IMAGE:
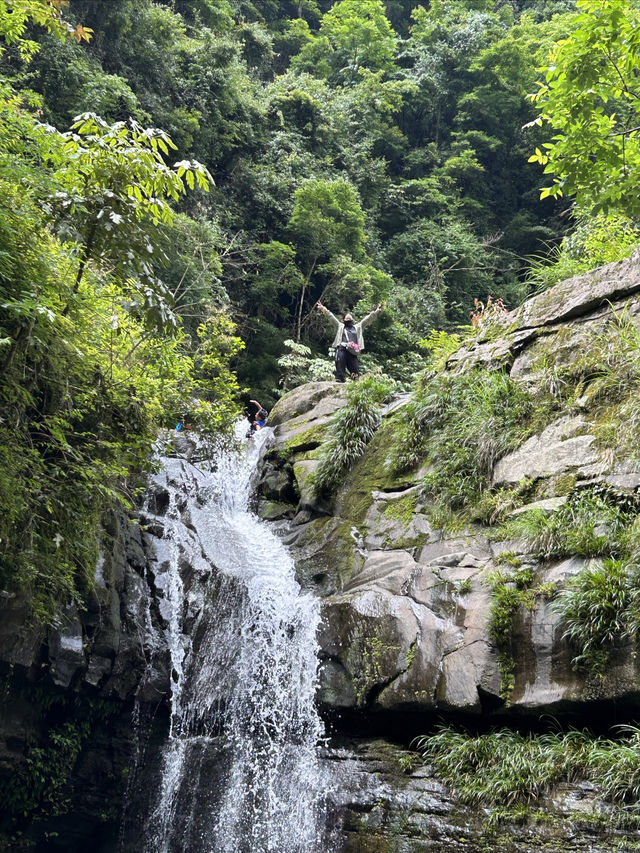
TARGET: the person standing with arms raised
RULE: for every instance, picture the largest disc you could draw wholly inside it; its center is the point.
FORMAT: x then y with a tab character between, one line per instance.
348	341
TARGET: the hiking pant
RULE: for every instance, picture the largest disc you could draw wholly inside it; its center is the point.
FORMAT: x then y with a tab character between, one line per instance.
346	360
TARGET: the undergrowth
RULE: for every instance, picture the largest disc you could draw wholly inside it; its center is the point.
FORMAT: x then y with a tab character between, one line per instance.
352	428
505	768
459	426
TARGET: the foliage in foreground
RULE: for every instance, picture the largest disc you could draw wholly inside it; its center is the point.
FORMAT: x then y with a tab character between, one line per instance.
506	769
351	429
589	99
93	359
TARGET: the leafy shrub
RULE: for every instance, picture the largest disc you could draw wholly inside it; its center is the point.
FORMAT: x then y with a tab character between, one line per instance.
460	426
42	786
351	429
440	345
93	359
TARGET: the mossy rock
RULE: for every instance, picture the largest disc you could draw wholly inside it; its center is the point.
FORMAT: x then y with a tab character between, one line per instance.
326	555
301	400
395	521
369	474
274	510
305	439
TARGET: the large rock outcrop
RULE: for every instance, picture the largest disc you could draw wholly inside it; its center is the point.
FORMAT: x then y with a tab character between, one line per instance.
407	607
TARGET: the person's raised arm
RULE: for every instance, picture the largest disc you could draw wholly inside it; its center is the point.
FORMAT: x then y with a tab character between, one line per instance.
366	320
331	317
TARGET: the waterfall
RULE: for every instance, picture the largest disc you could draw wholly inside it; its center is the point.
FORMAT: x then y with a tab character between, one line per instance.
240	772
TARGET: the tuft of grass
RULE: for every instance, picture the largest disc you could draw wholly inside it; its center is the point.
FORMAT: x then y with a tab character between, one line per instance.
587	525
505	768
460	426
600	610
352	428
599	607
494	506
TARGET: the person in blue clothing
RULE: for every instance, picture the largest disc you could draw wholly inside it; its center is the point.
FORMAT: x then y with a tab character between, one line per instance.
259	418
348	341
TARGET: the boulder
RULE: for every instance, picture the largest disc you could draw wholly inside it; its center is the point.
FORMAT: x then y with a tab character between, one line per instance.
301	400
580	295
564	446
274	510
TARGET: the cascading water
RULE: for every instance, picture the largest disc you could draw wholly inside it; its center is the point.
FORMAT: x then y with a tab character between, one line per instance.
240	768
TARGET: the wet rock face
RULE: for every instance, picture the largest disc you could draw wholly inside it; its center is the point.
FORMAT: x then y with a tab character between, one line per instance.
74	685
97	643
69	692
385	799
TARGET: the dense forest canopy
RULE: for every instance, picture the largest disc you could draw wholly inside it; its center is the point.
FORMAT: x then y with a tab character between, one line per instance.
182	180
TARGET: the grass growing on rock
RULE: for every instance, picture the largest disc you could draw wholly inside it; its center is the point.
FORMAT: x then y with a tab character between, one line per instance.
459	426
351	429
587	525
600	606
600	609
603	373
504	770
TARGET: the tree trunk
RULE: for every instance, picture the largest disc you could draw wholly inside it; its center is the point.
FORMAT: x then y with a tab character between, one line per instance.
301	305
84	260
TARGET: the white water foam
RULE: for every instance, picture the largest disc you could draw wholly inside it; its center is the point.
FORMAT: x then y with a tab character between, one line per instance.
244	663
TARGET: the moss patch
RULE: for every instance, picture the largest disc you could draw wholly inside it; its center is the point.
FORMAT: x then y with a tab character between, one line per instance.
306	439
402	509
369	474
326	546
510	591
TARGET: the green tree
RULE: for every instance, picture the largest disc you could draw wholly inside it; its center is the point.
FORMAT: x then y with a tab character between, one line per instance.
113	185
89	369
354	34
590	100
326	220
